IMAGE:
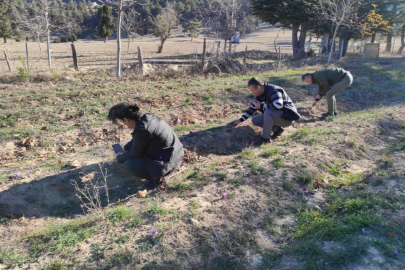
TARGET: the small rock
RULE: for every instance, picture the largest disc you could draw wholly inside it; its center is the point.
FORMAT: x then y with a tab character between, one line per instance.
194	222
75	164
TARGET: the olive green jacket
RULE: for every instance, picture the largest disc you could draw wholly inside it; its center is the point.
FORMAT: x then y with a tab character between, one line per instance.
325	78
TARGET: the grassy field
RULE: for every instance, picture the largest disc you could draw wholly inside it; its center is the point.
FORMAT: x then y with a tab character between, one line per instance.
95	55
327	195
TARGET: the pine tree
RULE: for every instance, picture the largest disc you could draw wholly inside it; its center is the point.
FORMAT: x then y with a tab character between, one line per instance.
192	27
106	22
5	24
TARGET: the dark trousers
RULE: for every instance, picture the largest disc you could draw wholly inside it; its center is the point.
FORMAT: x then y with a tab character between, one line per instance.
138	167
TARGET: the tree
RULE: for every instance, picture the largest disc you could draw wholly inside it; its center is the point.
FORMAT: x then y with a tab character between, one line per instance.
5	28
221	17
294	14
72	20
131	22
120	7
339	13
39	17
192	27
5	24
402	40
106	22
163	25
30	19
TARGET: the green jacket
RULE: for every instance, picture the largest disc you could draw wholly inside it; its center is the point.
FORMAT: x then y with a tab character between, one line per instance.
325	78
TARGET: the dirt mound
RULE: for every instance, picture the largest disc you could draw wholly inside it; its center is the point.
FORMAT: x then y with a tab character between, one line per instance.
225	140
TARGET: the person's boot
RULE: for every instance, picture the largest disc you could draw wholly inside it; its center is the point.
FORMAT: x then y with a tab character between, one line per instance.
259	141
277	133
327	115
161	185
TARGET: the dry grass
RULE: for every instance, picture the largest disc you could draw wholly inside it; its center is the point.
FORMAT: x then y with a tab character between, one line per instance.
310	196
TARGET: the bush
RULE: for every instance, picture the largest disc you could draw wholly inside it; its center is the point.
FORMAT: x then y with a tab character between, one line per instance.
63	39
23	73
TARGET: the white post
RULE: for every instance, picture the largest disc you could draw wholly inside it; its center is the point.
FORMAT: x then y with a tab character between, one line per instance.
118	68
48	40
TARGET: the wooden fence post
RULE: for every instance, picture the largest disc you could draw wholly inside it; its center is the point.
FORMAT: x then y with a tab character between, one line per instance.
203	56
8	63
74	57
140	59
26	53
244	60
279	58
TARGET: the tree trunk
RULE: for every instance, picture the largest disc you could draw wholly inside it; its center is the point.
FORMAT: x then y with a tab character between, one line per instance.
389	42
48	48
28	59
128	42
105	40
119	13
301	42
5	39
162	41
325	43
341	40
333	44
346	36
372	38
295	42
39	43
402	40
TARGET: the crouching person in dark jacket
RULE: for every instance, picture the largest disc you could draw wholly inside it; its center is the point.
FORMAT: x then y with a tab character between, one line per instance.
278	110
154	151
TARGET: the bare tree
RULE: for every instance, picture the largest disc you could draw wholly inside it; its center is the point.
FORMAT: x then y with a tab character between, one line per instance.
221	17
31	20
164	23
341	13
131	23
37	19
120	6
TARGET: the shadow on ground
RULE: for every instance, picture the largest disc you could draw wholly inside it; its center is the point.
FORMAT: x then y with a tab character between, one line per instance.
222	140
56	196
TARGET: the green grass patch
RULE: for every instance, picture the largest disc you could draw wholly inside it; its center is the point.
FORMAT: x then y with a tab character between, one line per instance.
304	177
11	258
270	152
278	163
155	208
119	214
187	101
56	237
247	153
56	265
256	169
399	146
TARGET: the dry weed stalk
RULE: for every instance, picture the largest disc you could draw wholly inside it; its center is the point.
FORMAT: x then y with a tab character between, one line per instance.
89	195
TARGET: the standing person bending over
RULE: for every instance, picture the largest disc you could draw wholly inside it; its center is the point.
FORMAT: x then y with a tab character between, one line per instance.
154	150
277	107
330	81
